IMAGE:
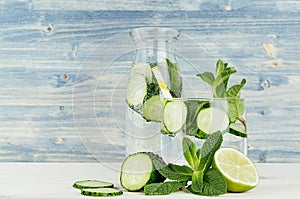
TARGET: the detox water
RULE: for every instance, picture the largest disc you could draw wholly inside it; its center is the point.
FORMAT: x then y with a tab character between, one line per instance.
154	47
197	118
141	135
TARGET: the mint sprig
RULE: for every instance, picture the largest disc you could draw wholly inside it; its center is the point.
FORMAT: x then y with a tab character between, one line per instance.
204	180
219	84
219	81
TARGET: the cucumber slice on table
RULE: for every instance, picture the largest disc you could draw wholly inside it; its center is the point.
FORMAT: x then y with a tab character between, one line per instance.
83	184
104	192
138	170
136	91
174	117
152	109
210	120
238	130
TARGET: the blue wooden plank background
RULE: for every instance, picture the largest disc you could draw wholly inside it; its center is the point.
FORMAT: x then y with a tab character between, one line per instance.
63	65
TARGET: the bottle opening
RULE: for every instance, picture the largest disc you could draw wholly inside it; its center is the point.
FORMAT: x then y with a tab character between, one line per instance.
146	34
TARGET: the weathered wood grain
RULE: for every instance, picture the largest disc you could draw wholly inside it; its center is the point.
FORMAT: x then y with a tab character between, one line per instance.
63	65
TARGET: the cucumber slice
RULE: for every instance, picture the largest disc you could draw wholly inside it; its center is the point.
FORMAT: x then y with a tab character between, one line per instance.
238	130
210	120
138	170
174	117
136	91
104	192
152	109
83	184
164	131
142	69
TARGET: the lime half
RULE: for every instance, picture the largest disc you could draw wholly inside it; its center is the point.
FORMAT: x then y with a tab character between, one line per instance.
238	170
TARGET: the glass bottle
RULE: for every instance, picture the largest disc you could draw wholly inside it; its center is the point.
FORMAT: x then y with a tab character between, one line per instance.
154	47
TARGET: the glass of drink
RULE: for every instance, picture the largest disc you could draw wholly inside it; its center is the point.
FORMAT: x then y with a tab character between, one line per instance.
197	118
154	48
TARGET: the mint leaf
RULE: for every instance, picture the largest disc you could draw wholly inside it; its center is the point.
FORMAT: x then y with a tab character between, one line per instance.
219	89
222	76
234	91
220	66
236	109
158	163
190	152
208	77
177	172
193	108
208	149
221	81
163	188
197	181
235	104
175	79
214	184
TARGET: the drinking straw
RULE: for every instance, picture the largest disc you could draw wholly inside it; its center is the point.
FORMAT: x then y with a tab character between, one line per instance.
161	83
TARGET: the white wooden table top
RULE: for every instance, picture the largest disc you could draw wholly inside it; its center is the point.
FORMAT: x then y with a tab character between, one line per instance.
54	181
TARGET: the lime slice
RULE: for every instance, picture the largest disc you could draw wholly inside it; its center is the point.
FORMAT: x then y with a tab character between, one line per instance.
238	170
210	120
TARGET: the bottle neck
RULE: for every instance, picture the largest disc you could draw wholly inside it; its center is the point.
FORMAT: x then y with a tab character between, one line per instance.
154	44
154	51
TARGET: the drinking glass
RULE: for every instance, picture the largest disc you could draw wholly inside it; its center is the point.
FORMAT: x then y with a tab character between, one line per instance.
197	118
